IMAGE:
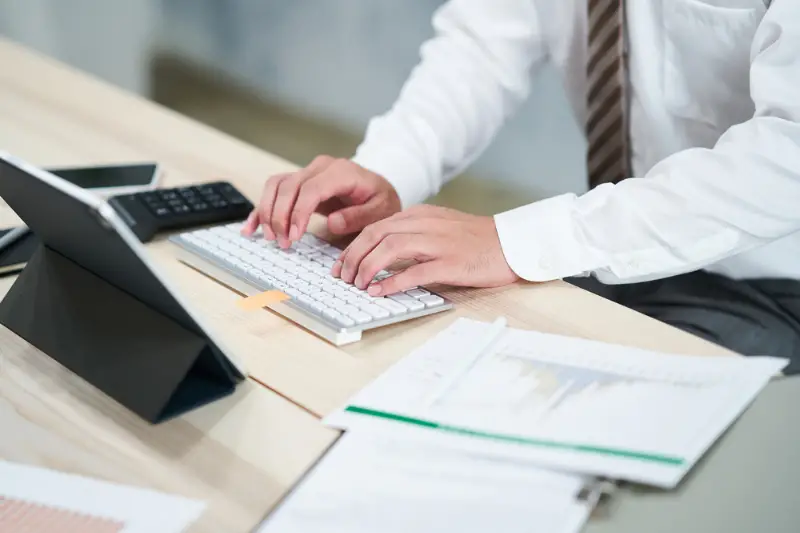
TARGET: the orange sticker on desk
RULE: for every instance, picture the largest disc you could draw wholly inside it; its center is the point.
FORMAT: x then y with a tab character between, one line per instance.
261	300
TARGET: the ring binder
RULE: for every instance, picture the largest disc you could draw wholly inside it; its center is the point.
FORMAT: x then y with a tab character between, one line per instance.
596	494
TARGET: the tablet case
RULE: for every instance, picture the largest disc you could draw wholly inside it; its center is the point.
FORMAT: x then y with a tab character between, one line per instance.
97	331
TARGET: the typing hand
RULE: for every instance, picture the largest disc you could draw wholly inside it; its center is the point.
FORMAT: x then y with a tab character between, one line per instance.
350	195
449	246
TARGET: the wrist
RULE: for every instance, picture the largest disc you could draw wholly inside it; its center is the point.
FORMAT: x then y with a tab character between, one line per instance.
406	176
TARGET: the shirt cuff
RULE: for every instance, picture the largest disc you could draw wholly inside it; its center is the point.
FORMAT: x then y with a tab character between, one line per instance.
406	174
540	240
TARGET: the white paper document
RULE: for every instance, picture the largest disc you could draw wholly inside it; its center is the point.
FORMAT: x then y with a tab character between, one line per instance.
372	483
562	402
35	499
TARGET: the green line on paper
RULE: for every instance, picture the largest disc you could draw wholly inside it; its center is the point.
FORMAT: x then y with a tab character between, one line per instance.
628	454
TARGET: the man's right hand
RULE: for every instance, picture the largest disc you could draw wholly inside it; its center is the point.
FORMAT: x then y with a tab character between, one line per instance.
351	196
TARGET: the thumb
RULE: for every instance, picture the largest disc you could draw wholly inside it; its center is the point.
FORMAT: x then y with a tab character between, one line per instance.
356	217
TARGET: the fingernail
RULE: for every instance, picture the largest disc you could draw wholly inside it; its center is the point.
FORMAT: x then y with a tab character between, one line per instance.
336	269
283	242
268	234
374	290
294	233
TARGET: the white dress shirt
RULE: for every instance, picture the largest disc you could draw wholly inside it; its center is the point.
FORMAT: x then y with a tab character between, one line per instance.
715	128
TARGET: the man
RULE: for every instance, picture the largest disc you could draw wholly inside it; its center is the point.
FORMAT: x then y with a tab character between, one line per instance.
695	102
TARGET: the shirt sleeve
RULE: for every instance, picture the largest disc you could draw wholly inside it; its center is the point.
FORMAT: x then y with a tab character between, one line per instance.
473	73
693	208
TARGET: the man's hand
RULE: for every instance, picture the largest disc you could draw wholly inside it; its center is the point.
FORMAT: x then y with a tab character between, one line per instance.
449	246
350	195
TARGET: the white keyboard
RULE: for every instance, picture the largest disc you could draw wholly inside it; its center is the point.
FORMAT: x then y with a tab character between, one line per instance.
331	308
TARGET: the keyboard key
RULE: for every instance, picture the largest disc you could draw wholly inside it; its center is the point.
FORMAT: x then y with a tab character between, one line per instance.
393	307
310	303
361	317
352	299
315	292
301	247
299	284
417	293
312	240
310	277
338	317
432	300
375	311
331	289
330	251
324	297
325	261
319	269
348	310
410	303
340	292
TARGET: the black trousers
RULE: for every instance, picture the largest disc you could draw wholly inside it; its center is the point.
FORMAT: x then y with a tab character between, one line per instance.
751	317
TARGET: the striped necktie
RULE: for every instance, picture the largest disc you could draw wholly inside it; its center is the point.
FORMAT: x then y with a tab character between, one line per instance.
606	121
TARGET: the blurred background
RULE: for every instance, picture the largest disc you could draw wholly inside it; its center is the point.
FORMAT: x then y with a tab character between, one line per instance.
297	78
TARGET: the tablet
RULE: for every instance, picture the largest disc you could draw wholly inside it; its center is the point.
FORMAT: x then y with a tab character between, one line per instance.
82	227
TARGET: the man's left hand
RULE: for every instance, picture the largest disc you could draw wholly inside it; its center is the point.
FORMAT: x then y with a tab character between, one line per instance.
448	246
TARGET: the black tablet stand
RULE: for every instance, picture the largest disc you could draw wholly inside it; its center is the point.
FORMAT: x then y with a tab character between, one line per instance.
137	355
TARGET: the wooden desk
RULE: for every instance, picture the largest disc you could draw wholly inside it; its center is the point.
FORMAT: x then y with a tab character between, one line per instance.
53	115
240	453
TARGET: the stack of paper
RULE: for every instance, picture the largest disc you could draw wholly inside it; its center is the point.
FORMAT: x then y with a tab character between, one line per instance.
562	402
372	482
34	500
486	428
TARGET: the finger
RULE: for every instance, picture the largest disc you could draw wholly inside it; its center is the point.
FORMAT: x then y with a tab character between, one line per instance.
284	202
371	237
421	274
393	248
286	197
323	186
267	202
356	217
250	225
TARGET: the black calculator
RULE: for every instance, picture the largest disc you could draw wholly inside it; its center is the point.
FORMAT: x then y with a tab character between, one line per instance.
151	212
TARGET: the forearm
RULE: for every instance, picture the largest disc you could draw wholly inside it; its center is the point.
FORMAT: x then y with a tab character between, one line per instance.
695	207
472	75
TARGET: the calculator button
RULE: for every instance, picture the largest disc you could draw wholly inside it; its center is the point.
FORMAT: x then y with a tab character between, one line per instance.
199	206
168	195
181	209
162	212
219	204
